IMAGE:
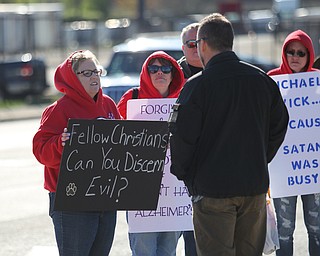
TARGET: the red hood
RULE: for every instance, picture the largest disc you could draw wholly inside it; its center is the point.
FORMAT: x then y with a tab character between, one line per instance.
147	90
67	82
302	37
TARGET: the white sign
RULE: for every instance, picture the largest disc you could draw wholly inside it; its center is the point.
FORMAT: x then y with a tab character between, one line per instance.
295	170
174	211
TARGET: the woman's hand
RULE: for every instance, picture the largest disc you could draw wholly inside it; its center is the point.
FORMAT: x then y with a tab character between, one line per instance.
65	136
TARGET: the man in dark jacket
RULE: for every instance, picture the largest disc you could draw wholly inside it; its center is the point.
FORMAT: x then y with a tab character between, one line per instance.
227	125
190	64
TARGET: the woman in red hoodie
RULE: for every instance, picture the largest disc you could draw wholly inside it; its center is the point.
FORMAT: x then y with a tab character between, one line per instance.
297	56
78	78
161	77
156	82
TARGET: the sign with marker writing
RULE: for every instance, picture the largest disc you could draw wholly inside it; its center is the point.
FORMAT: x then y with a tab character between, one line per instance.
174	210
112	165
295	170
150	109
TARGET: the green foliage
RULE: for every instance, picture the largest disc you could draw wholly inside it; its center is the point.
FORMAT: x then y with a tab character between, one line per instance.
11	103
86	9
20	1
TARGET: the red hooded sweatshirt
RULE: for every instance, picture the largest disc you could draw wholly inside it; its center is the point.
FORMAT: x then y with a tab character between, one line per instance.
302	37
76	103
146	89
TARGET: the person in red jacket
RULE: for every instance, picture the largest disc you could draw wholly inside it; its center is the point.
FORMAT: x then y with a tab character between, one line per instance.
297	56
155	82
161	77
78	78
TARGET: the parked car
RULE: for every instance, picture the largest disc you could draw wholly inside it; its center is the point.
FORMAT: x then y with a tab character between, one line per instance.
123	71
23	77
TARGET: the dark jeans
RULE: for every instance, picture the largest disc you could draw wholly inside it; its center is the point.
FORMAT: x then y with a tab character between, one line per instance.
233	226
189	243
83	233
286	219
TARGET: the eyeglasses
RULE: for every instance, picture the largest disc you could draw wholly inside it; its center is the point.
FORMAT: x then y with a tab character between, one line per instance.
154	69
202	38
89	73
191	43
292	53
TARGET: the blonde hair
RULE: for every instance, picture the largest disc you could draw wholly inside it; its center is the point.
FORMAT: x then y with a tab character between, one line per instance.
81	56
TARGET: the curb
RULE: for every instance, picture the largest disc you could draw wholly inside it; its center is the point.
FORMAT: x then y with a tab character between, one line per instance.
21	113
33	107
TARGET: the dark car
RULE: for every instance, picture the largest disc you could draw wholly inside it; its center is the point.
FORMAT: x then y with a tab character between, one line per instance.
123	71
23	77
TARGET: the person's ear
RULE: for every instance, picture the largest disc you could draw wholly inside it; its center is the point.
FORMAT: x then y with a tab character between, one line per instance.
203	45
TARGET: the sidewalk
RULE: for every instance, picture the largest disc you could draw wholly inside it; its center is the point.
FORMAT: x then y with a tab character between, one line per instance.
21	112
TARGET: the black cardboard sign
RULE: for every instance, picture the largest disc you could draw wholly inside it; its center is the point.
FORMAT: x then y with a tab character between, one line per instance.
112	165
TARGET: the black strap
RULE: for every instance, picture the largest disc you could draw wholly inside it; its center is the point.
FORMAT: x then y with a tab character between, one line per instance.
135	93
174	114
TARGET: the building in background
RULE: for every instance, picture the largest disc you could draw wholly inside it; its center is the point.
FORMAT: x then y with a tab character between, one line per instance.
30	27
37	27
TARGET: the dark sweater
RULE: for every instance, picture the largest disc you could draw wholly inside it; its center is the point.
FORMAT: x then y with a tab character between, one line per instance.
188	70
231	121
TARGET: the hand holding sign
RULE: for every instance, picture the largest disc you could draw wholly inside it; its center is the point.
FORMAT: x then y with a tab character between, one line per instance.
65	136
112	164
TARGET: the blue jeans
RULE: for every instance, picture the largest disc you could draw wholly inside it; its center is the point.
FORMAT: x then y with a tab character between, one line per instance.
286	219
83	233
154	243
